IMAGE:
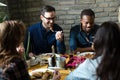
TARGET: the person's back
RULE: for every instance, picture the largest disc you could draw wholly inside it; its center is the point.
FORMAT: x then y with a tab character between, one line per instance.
12	63
107	44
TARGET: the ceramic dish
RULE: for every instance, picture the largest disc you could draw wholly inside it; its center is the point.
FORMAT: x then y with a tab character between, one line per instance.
41	74
87	54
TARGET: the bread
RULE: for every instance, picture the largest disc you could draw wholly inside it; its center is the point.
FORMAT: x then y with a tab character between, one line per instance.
42	75
37	74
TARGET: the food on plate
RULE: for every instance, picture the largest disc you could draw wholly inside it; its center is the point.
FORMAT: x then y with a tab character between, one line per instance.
37	74
42	75
74	61
47	75
88	55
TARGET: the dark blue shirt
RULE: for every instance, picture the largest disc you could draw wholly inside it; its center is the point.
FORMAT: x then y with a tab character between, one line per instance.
79	38
42	40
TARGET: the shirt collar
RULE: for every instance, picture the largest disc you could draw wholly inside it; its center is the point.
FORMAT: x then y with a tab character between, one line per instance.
43	29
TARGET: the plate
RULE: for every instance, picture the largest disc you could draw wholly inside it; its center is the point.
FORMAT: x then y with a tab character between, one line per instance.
51	54
47	55
44	57
41	74
87	54
84	53
40	70
55	68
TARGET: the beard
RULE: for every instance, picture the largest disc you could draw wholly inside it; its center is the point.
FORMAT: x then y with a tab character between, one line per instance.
87	30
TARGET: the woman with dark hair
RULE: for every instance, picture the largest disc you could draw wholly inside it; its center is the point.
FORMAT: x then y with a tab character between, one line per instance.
107	44
105	64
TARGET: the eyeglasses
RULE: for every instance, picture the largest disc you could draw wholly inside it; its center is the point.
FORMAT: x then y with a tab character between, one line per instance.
49	18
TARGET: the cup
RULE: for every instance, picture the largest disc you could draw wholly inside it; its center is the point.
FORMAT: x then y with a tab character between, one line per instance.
60	62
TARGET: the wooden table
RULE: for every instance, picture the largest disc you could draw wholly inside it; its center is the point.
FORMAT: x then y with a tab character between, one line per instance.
63	72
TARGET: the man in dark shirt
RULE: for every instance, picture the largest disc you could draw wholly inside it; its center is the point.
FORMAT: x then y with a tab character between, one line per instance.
45	34
81	36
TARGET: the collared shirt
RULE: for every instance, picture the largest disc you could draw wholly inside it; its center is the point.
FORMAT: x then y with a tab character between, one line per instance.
42	40
79	38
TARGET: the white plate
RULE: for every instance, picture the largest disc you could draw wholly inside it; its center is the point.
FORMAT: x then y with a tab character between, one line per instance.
83	53
50	54
40	70
55	68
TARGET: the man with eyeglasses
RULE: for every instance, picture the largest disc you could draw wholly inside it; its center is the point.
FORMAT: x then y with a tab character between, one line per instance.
82	35
45	36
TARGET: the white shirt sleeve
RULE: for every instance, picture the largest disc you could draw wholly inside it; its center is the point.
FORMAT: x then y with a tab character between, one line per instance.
86	70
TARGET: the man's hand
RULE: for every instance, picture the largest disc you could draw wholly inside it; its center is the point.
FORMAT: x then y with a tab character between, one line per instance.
59	35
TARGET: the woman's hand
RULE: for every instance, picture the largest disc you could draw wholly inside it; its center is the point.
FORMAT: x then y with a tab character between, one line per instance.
20	49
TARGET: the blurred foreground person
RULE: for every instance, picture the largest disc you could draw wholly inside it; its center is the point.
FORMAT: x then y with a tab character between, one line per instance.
13	65
105	64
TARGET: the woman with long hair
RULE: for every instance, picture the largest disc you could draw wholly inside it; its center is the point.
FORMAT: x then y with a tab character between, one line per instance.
12	63
107	44
105	64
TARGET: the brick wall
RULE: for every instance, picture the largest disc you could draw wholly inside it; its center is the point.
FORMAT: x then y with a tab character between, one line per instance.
68	11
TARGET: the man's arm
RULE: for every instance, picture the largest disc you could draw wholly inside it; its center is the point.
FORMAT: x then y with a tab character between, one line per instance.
61	47
60	42
72	41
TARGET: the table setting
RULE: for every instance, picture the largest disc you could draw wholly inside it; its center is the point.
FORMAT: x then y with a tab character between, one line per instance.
48	62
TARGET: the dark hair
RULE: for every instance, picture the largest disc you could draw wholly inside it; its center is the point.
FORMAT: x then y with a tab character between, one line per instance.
47	8
88	12
107	44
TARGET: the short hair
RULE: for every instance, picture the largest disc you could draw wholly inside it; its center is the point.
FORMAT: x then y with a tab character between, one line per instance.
88	12
47	8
